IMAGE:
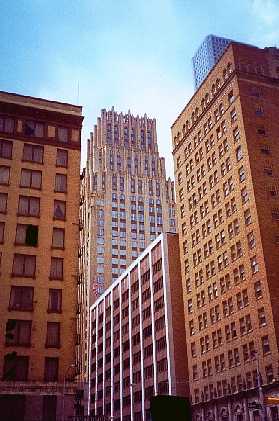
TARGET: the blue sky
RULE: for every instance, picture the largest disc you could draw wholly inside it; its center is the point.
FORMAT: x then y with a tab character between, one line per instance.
131	54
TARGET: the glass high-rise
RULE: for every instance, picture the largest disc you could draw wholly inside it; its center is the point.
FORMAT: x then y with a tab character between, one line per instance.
207	56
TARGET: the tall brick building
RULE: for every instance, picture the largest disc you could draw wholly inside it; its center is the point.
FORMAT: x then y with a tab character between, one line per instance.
137	336
226	151
39	234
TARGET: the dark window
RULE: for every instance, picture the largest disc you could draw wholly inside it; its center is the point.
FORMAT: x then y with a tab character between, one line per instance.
51	369
3	202
34	129
63	134
59	210
21	298
29	206
60	183
62	158
18	332
33	153
24	265
15	367
7	124
6	149
58	237
56	268
55	301
53	335
4	175
31	179
2	231
27	235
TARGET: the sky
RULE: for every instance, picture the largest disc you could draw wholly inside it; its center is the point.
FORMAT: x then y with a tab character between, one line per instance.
131	54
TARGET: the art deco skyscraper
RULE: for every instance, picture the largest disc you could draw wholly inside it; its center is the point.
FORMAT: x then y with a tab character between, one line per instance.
126	199
225	145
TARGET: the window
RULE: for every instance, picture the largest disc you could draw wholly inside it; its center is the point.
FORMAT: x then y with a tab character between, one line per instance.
33	153
244	195
29	206
242	175
60	183
254	265
3	202
239	153
18	332
21	298
6	149
62	134
62	158
58	238
31	179
56	268
55	301
247	217
7	125
53	335
24	265
231	97
258	290
265	345
261	316
26	235
4	175
15	368
51	369
59	211
2	230
34	129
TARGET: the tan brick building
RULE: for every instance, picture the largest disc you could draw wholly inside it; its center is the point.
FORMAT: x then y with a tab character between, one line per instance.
226	151
39	234
137	336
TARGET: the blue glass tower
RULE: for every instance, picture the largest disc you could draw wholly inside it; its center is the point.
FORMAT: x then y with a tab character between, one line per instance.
207	55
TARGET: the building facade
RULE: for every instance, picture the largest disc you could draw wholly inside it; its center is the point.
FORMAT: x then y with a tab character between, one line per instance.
137	342
207	56
126	201
39	230
225	146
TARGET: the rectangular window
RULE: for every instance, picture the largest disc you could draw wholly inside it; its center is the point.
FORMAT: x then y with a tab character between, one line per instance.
53	335
55	301
6	149
7	125
21	298
51	369
31	179
24	265
63	134
4	175
18	332
33	153
60	183
62	158
56	268
59	211
58	238
16	368
29	206
26	235
33	129
3	202
2	231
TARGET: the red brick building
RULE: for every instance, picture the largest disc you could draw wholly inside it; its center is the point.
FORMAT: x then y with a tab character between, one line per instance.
137	334
226	151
